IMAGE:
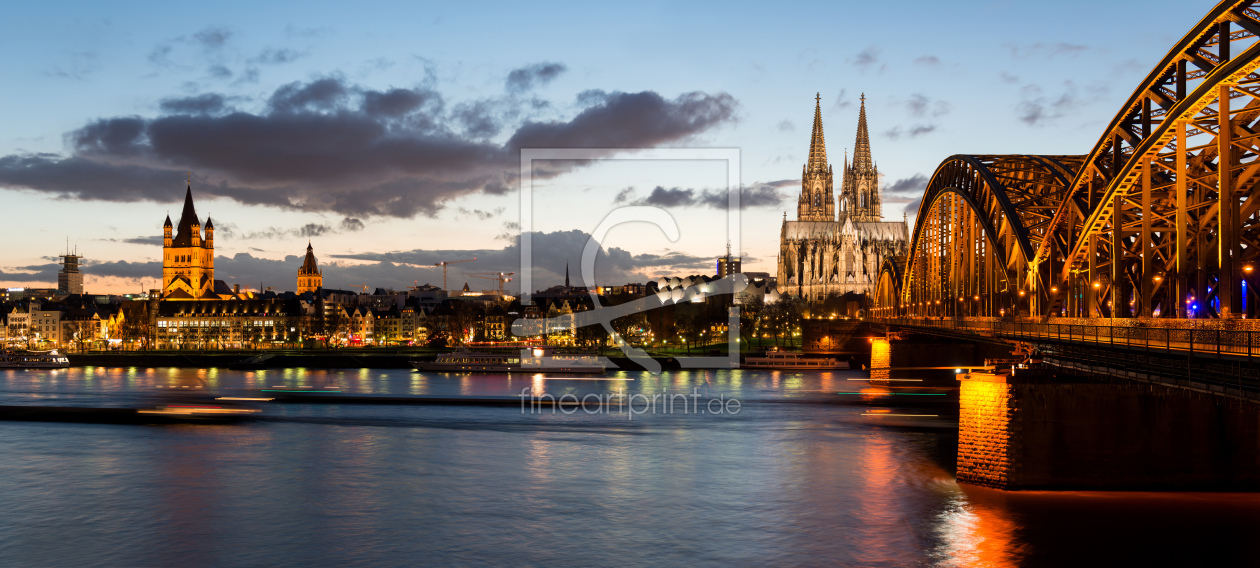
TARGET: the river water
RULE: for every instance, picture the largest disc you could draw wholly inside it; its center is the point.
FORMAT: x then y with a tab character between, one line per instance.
795	475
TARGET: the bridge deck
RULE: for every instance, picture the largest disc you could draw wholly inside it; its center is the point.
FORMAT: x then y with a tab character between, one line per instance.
1202	356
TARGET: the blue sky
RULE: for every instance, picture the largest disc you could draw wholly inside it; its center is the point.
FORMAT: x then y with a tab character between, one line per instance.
282	112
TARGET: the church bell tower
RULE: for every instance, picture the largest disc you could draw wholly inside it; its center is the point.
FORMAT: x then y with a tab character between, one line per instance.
817	202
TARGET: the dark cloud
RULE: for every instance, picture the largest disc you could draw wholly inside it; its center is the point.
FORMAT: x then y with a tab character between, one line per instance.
396	103
552	251
757	195
152	240
1037	109
786	126
913	131
624	196
928	61
483	215
672	197
913	184
921	106
220	72
273	56
329	146
229	230
161	55
905	190
208	103
536	75
912	208
47	273
629	120
313	230
842	101
213	37
868	60
479	119
318	95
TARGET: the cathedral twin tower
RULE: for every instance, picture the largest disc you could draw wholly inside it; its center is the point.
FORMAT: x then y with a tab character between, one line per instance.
859	193
828	253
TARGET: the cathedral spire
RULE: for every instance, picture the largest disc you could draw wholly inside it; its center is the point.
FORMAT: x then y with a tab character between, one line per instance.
817	147
862	149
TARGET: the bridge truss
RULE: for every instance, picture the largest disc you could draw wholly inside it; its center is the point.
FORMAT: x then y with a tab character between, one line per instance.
1160	219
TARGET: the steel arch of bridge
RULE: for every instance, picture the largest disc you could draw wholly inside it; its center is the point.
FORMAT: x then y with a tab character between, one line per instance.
1135	227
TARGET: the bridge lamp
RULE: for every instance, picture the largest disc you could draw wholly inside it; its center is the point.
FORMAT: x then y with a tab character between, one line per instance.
1053	290
1021	293
1247	268
1097	284
1159	277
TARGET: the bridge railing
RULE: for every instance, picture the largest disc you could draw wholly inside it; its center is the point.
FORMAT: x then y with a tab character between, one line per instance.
1181	336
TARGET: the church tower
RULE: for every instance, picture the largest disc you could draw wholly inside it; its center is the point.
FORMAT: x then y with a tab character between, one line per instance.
817	202
187	258
859	190
309	277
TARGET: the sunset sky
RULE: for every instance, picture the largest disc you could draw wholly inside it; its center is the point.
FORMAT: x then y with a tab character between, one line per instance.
388	134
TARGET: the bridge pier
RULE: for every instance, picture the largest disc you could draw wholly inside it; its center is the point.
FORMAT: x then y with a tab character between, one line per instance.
1041	429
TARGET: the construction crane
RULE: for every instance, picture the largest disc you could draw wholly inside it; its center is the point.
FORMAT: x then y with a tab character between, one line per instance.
499	277
446	263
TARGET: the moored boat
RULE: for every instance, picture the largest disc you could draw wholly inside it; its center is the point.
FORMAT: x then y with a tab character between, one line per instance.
791	360
33	360
527	360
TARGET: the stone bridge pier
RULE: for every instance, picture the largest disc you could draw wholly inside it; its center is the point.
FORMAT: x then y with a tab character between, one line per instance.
1044	429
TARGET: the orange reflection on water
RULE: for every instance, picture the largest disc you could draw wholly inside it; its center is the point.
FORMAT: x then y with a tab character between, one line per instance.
977	529
882	535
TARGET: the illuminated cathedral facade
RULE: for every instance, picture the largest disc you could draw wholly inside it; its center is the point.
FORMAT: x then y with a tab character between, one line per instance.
835	246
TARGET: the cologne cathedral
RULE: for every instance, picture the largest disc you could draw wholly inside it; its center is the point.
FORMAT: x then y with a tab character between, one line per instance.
826	252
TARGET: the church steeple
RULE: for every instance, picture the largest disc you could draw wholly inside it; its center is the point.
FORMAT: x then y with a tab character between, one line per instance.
862	148
817	146
859	190
817	202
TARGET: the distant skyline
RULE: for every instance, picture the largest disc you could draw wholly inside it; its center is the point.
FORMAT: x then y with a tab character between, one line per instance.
387	133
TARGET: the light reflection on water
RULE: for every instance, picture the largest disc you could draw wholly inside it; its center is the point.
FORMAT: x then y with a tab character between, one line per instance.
794	479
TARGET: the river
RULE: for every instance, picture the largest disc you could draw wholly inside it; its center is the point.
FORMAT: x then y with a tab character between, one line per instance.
791	475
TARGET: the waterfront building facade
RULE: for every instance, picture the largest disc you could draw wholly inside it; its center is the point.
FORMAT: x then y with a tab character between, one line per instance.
70	279
826	252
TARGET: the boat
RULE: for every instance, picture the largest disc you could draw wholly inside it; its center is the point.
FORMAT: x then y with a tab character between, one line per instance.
527	360
33	360
790	360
